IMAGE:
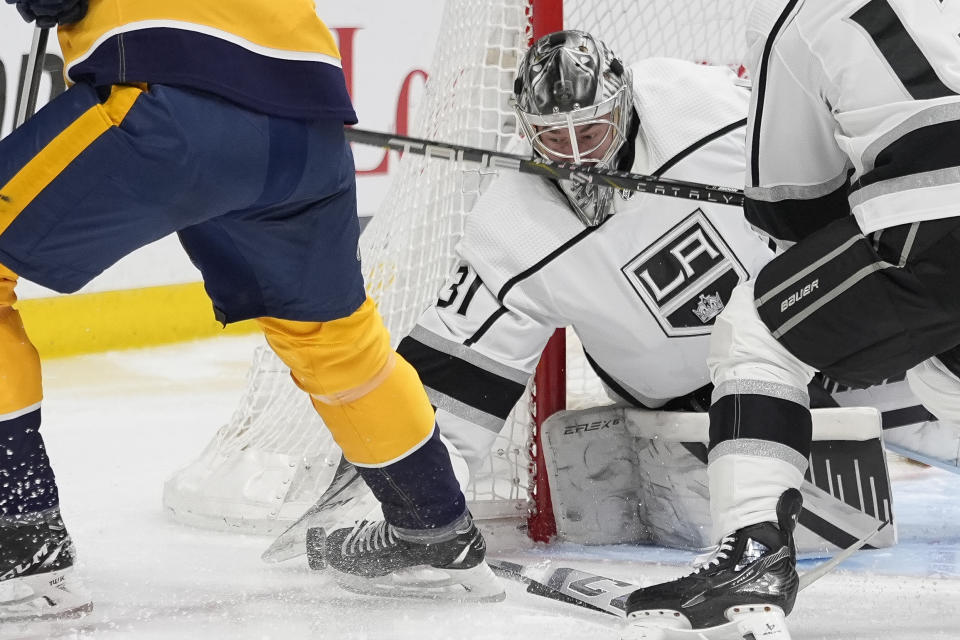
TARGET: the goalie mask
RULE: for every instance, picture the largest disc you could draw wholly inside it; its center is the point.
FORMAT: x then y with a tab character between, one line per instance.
574	101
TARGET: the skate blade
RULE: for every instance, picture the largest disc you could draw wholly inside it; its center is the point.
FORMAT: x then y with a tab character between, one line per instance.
753	622
46	596
477	584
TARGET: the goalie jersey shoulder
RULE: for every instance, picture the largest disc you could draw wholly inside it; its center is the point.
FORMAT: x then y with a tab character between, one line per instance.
683	106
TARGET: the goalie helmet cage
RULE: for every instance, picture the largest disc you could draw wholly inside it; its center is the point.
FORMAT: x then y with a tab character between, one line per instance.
274	458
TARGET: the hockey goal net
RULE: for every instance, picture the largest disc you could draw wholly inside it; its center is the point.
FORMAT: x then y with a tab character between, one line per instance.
274	458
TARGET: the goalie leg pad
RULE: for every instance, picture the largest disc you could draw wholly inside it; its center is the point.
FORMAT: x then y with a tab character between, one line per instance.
934	442
621	475
937	388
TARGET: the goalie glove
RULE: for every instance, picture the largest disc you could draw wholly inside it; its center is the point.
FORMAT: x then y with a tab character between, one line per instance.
50	13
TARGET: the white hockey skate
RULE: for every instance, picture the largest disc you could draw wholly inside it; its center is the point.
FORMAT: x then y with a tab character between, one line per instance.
371	559
37	578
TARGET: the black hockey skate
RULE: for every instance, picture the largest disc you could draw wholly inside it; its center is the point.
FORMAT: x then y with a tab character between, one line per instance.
752	572
370	558
37	577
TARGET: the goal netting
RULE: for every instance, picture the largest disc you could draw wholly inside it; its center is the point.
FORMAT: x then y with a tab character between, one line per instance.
274	458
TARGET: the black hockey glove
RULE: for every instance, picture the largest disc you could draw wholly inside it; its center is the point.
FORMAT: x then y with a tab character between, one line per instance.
50	13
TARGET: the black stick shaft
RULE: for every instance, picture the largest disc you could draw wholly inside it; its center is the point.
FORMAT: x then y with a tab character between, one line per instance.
548	169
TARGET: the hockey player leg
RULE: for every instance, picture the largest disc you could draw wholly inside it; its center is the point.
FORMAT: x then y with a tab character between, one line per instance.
37	578
346	501
379	414
760	432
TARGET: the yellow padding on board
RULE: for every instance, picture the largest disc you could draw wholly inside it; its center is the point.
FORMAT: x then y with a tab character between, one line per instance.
334	361
61	151
94	322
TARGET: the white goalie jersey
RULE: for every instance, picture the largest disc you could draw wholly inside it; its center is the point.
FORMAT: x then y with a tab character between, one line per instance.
855	104
640	290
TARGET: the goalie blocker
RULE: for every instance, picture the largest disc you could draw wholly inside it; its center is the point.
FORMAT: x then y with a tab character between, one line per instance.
624	475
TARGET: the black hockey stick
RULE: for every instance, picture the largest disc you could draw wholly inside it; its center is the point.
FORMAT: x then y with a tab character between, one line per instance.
609	595
809	577
31	78
546	168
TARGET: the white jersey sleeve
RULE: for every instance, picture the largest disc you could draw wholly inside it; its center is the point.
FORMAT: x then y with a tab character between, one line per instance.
855	109
474	356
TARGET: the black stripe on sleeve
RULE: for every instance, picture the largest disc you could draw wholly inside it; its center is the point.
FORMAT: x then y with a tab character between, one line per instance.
719	133
496	315
462	381
927	149
526	273
907	415
900	51
793	220
761	89
550	257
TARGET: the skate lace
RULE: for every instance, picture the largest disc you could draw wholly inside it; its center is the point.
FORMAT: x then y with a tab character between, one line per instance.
713	557
368	536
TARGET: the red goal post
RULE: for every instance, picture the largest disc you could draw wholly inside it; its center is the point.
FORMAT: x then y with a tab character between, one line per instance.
274	458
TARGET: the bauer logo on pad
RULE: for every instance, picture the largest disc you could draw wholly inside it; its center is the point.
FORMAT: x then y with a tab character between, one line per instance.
686	276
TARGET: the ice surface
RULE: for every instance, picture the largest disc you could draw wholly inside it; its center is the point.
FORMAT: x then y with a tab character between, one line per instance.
117	424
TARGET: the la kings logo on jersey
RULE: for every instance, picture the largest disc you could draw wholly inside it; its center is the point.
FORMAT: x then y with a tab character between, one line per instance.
686	276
